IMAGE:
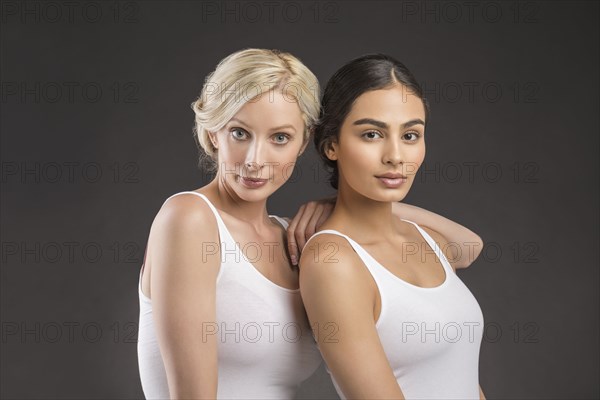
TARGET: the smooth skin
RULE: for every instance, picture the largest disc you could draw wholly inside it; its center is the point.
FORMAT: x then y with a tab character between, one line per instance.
384	132
263	140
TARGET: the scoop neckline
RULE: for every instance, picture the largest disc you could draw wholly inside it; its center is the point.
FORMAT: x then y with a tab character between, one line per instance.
237	247
441	285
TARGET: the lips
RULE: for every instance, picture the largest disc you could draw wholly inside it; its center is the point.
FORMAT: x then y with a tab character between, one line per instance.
391	175
252	183
392	180
254	179
249	178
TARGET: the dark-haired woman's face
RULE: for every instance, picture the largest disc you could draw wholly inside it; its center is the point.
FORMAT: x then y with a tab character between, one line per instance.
381	144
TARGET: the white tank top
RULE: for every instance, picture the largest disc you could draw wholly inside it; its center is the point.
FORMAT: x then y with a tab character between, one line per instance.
265	345
431	336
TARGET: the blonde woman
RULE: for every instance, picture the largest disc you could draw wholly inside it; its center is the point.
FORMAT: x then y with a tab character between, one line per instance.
220	309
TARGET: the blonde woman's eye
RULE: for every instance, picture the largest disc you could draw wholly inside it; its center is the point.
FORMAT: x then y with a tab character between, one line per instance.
238	134
281	138
371	135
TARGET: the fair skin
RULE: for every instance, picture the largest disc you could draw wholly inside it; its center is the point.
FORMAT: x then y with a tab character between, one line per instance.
383	133
263	140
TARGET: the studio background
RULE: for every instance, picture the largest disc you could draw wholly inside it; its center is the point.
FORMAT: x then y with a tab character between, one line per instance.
96	132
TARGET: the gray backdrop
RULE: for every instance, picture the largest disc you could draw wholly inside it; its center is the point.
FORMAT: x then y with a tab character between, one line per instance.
97	133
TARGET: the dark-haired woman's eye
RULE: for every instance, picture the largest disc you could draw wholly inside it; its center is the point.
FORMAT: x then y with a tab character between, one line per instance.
371	135
281	138
239	134
415	136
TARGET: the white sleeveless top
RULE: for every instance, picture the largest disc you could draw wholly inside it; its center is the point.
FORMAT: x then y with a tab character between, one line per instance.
431	336
265	345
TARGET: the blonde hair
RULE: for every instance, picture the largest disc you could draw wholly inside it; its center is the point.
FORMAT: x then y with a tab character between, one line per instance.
244	75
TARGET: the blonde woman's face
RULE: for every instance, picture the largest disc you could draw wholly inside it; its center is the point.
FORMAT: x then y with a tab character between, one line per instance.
258	148
381	144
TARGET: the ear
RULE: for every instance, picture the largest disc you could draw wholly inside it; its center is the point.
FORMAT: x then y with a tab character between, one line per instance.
213	139
303	147
331	151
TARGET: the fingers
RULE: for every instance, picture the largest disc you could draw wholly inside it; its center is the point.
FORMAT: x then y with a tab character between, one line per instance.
300	231
309	218
291	236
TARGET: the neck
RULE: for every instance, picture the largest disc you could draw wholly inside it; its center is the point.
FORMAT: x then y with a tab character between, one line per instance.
362	218
252	212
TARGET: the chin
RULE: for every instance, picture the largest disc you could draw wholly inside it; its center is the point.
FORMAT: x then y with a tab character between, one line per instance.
251	197
257	194
390	196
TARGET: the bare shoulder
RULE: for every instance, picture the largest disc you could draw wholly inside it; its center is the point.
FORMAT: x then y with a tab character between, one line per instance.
184	230
187	204
186	213
326	248
330	258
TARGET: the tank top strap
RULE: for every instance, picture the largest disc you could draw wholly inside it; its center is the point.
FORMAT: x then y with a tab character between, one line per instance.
282	221
229	248
332	231
365	257
221	225
433	244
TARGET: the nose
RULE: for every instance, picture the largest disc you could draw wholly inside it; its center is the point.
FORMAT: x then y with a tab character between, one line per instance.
255	158
393	152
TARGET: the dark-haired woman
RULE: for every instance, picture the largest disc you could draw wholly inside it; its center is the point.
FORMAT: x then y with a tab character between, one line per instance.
391	317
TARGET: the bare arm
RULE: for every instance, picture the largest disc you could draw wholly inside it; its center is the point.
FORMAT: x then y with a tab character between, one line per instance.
461	246
184	251
339	301
481	395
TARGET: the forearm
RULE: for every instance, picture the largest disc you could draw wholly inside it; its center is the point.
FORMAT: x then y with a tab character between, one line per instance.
481	395
469	242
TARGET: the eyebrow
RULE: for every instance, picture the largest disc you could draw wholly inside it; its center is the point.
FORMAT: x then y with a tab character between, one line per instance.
383	125
272	129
